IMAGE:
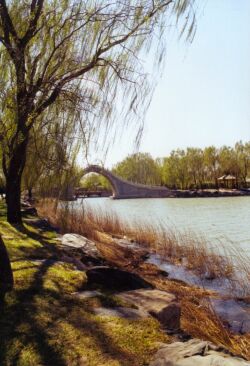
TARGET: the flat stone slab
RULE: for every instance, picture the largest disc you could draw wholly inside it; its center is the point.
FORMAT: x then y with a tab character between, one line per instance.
194	353
159	304
87	294
134	247
149	298
120	312
80	242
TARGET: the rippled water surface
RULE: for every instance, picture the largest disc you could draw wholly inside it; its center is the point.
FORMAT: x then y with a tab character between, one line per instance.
221	219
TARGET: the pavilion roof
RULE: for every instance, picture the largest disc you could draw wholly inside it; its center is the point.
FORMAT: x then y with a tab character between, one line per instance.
227	177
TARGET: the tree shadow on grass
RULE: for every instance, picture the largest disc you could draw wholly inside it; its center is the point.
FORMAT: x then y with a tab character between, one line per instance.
46	250
23	312
29	321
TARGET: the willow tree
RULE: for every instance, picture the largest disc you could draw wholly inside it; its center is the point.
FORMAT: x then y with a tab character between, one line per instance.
50	48
139	168
51	152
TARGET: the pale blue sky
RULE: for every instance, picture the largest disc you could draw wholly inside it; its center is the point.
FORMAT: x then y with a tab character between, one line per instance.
203	97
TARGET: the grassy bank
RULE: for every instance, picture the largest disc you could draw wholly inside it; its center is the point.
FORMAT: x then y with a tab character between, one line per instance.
44	324
198	316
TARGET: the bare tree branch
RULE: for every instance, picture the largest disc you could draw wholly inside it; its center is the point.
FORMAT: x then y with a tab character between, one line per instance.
8	26
35	13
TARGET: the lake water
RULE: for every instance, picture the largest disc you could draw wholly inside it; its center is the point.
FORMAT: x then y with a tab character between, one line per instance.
223	219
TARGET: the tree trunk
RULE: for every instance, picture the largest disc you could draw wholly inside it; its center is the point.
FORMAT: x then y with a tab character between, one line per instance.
13	183
30	194
13	200
6	275
216	183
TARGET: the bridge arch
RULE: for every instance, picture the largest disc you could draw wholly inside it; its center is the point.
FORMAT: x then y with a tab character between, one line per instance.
105	173
125	189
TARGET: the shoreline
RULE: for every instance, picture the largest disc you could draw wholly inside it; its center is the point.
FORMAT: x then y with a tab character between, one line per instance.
155	274
178	193
210	193
231	307
126	250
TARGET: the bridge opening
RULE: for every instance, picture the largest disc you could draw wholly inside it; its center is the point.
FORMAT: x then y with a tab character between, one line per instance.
95	184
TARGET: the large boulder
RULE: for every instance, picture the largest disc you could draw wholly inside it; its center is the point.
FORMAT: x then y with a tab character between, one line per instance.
135	248
194	353
76	241
160	304
115	279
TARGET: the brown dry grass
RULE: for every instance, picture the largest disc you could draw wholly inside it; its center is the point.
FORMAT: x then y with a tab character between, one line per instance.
202	322
198	317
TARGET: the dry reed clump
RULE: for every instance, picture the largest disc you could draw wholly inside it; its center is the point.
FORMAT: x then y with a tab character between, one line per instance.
199	319
187	249
204	323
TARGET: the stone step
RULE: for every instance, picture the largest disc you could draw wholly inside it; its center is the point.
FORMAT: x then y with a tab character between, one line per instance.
195	353
160	304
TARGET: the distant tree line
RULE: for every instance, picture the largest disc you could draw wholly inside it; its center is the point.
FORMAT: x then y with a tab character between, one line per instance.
53	165
200	168
189	168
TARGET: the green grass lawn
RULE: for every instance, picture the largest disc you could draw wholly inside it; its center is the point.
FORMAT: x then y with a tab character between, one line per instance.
44	324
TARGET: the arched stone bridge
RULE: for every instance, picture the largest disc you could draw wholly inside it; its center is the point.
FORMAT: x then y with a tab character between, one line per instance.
125	189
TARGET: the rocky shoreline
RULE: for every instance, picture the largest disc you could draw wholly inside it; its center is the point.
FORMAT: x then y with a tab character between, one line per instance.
143	299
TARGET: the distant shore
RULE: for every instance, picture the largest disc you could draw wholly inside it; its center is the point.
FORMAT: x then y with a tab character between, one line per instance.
209	193
178	193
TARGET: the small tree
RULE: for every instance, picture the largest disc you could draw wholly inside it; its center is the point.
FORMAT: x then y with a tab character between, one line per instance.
51	152
243	160
195	164
211	163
